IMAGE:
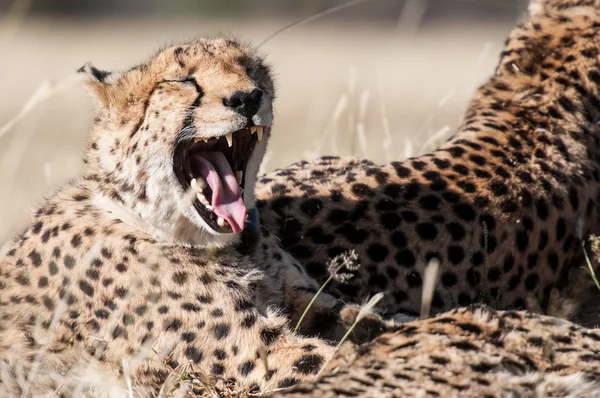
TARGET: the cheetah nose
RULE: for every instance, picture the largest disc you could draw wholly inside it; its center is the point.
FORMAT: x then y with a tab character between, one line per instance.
245	103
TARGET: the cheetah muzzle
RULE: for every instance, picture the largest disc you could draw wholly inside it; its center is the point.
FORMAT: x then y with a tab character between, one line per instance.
215	169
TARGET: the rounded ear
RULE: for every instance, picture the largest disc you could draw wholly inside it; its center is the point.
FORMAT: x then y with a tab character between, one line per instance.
98	82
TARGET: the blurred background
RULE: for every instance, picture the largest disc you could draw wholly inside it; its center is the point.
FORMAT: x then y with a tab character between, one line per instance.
383	79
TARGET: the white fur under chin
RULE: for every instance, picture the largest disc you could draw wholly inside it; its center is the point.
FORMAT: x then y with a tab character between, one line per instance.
181	231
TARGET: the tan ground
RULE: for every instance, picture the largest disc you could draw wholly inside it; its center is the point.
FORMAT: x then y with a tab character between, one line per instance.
423	80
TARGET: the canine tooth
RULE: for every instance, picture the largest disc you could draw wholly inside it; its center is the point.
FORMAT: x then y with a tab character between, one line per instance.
229	138
259	132
252	130
221	222
209	208
203	199
198	184
238	176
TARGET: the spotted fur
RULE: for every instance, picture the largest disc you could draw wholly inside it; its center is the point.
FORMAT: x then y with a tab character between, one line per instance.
468	352
118	285
503	204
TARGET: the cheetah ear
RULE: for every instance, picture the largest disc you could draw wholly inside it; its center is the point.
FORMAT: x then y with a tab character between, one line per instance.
98	82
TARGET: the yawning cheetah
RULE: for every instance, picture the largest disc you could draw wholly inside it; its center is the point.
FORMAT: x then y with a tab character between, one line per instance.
139	269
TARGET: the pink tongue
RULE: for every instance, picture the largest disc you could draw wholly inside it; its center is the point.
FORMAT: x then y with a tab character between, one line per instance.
227	199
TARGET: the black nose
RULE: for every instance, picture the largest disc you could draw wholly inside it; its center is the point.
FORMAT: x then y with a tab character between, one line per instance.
245	103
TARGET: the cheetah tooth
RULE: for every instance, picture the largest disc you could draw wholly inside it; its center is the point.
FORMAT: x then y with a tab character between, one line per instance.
252	130
198	185
259	132
209	208
203	199
221	222
229	138
238	176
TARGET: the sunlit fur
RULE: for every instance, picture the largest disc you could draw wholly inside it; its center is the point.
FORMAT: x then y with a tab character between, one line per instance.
143	112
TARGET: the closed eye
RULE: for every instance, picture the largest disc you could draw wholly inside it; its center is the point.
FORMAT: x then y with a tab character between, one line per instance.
189	80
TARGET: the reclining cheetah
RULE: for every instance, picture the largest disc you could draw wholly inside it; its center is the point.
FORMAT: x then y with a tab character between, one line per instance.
137	271
536	120
503	204
468	352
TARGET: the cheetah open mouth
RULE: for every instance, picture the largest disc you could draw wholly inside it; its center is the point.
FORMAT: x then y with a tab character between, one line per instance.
214	169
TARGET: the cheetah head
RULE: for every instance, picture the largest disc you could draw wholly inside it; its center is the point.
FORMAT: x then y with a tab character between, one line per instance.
178	140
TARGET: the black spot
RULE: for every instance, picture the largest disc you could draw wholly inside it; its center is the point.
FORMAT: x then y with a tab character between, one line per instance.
377	252
456	254
426	231
541	208
509	262
173	325
398	239
413	279
441	164
477	258
52	268
288	382
309	364
22	280
37	227
461	169
573	198
193	354
465	346
499	188
246	368
429	202
76	240
69	262
36	258
390	221
406	258
509	206
561	229
456	231
449	279
268	336
86	288
180	277
353	234
312	206
522	240
362	190
494	274
411	191
337	216
455	151
249	321
464	211
531	282
478	160
402	171
409	216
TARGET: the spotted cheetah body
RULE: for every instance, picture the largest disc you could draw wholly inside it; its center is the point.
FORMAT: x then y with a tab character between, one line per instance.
503	205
